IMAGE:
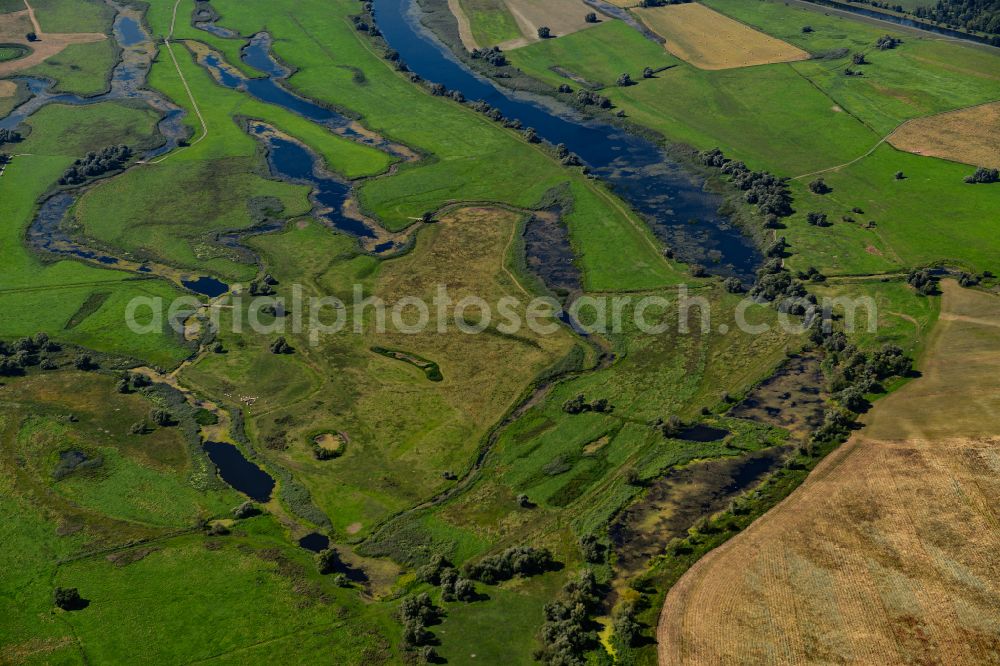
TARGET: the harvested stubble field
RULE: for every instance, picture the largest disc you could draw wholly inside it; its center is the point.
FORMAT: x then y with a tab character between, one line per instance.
969	135
888	552
710	40
562	17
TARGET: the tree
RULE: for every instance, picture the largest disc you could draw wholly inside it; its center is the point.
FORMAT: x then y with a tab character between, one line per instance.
31	37
84	362
544	32
69	599
859	59
590	17
161	417
807	29
819	186
647	72
624	80
900	175
984	175
733	285
281	346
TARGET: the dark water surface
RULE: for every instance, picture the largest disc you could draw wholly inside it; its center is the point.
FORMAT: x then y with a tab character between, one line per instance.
239	472
638	170
315	542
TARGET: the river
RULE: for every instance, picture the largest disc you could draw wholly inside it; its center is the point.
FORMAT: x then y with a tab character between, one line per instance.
674	202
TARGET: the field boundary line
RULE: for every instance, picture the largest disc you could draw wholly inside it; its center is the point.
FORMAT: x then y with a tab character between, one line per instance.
194	102
893	132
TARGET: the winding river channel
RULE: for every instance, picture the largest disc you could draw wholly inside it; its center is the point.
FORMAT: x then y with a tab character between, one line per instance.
674	202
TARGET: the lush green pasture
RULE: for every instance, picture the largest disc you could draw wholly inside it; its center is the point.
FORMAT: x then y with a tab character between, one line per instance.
599	55
491	21
11	52
768	116
80	68
328	53
217	176
73	15
932	215
923	75
40	296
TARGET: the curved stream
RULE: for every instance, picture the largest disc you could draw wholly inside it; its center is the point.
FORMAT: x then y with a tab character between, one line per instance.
639	171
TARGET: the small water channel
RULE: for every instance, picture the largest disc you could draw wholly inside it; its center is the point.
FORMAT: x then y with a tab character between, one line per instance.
674	202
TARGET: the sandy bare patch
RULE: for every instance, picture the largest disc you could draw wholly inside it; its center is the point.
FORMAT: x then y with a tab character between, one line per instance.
353	528
330	441
596	445
562	17
7	88
969	135
888	553
464	27
15	25
710	40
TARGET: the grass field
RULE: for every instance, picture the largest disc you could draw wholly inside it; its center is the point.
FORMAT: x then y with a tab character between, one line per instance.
404	430
12	52
518	173
708	40
967	135
90	55
57	290
491	22
860	563
803	117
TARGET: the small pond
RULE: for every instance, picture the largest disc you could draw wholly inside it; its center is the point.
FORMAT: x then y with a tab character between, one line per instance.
239	472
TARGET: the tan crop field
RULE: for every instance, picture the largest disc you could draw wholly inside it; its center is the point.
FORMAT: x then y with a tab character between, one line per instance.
889	552
969	135
562	17
710	40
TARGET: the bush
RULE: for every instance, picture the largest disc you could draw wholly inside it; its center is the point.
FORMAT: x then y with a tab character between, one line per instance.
819	186
523	561
69	599
544	32
984	175
590	17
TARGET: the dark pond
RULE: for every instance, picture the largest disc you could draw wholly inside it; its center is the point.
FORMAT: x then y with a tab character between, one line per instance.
239	472
315	542
702	433
207	286
639	171
72	460
548	253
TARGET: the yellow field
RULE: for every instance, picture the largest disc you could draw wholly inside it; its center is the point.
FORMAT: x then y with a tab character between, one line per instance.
968	135
710	40
889	552
561	16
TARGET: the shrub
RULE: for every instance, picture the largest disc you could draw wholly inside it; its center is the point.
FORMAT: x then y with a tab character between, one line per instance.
523	561
591	17
69	599
984	175
544	32
819	186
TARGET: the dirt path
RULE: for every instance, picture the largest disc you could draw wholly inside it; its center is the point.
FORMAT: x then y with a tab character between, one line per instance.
14	27
194	102
888	553
464	27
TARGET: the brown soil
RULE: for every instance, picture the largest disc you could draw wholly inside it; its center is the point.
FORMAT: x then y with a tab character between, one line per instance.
888	553
969	135
331	441
562	17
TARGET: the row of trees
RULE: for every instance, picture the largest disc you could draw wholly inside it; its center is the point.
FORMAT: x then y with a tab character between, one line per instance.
97	164
579	405
569	632
523	561
769	192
